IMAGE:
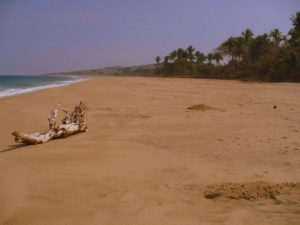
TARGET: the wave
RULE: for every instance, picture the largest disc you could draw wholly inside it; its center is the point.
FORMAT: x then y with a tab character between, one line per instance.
17	91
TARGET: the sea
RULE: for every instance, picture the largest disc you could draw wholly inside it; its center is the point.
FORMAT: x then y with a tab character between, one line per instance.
19	84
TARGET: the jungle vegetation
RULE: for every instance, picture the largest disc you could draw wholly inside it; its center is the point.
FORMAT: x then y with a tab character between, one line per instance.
267	57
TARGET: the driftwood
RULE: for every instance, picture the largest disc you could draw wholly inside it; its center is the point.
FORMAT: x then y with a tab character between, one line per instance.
72	123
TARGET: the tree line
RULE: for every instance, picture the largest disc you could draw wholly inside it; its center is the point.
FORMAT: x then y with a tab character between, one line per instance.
269	57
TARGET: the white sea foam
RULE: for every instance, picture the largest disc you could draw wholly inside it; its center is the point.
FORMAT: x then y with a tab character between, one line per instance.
17	91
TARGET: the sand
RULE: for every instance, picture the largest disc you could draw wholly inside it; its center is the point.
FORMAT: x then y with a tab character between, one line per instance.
251	190
148	160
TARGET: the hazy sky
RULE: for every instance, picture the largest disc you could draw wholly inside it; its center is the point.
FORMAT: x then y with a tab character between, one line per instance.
40	36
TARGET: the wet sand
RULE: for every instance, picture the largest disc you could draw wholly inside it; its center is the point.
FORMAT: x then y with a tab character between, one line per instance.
153	147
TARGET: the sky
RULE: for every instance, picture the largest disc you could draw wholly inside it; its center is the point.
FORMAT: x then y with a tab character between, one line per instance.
43	36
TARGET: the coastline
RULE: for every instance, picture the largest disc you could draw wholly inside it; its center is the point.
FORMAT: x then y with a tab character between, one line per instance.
20	91
146	158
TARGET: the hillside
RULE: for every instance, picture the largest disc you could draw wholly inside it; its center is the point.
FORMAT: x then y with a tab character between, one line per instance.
114	70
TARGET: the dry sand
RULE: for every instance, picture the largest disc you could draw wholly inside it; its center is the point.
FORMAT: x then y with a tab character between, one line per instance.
148	160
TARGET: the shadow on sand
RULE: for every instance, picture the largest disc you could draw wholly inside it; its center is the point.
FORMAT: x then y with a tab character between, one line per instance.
13	147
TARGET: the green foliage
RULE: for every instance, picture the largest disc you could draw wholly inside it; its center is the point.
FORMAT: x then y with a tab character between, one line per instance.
200	57
218	57
268	57
157	59
210	57
277	37
247	36
190	53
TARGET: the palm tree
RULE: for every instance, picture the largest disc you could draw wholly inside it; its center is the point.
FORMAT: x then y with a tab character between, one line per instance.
157	59
260	46
210	57
166	59
277	37
181	54
238	47
295	31
294	41
227	48
218	57
190	53
247	35
296	21
200	57
173	55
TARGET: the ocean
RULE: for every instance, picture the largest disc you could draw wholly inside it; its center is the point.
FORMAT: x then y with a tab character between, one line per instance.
17	84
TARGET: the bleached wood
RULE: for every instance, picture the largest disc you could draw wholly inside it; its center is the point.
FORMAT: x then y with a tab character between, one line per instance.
72	123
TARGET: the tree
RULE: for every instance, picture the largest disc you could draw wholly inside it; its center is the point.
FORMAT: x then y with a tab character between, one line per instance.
218	57
181	54
247	35
200	57
260	46
294	41
233	47
276	36
173	55
227	48
296	21
166	59
295	31
238	47
157	59
190	53
210	57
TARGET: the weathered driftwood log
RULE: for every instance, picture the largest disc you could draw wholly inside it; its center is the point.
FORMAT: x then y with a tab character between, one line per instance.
72	123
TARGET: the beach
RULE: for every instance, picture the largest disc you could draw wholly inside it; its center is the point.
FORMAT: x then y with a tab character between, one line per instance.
147	159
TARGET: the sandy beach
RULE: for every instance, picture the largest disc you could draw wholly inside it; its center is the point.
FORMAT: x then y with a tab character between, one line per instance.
147	159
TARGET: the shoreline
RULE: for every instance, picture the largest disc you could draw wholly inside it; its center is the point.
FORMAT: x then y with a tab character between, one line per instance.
90	77
11	92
